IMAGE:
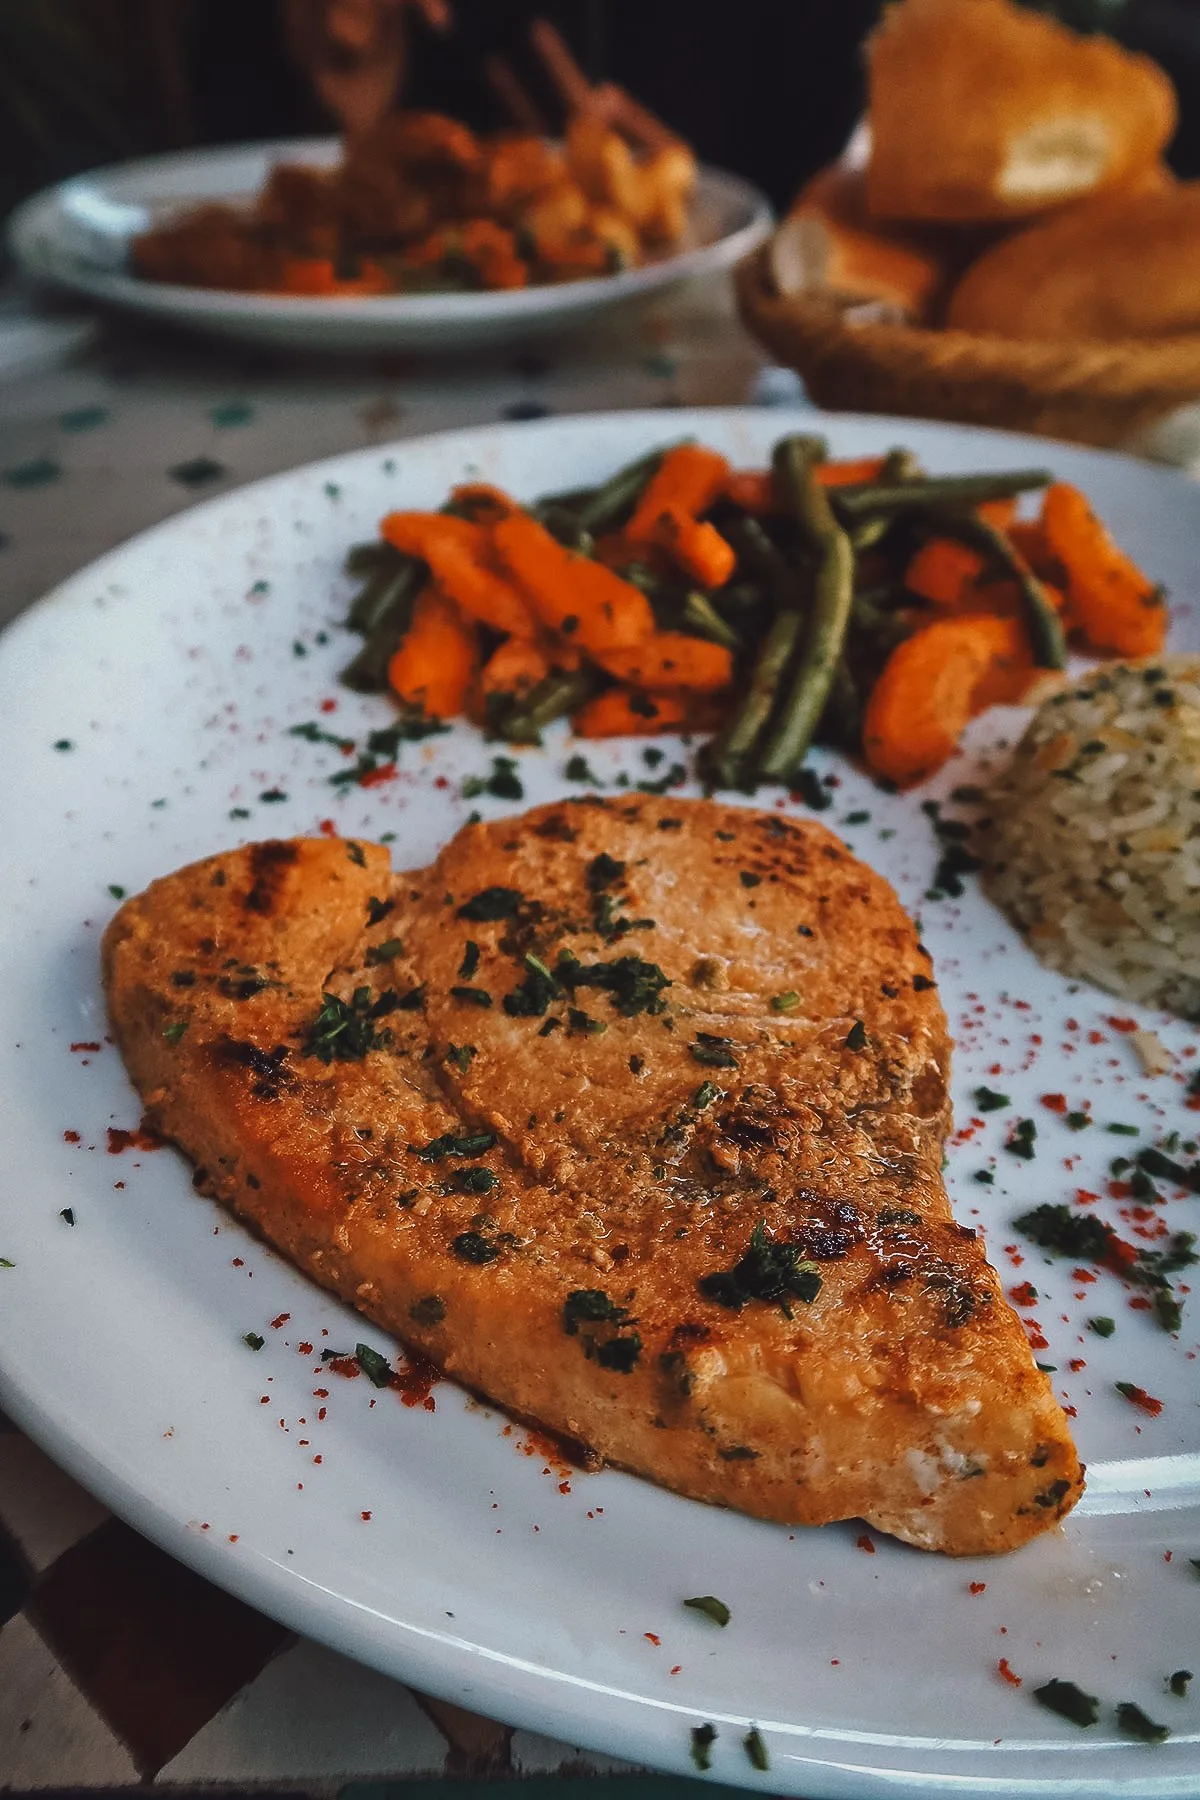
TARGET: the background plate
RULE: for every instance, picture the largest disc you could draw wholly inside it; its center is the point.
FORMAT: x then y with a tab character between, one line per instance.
76	235
144	717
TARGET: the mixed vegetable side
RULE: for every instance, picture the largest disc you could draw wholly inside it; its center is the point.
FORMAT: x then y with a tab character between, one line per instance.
860	603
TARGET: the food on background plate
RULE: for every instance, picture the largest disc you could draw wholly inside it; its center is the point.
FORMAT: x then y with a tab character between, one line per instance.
629	1115
857	602
1092	838
829	243
1017	112
420	204
1121	266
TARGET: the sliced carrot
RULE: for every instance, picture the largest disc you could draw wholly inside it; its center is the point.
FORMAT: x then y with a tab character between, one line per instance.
626	712
752	489
317	275
514	667
688	480
849	471
1116	606
932	684
572	596
437	658
672	659
696	546
458	552
483	501
941	570
1000	514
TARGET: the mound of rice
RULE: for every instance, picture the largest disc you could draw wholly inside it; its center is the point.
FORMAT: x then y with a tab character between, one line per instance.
1092	846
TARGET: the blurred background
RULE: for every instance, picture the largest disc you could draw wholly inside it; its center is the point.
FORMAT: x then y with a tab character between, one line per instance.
768	90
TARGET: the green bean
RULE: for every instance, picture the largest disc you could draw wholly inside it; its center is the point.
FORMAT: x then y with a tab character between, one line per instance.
728	759
701	617
563	525
1047	638
364	559
758	550
788	741
377	598
900	466
367	673
862	499
558	693
612	503
841	721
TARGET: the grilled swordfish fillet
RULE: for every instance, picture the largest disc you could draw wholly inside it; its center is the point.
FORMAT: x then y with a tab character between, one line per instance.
629	1114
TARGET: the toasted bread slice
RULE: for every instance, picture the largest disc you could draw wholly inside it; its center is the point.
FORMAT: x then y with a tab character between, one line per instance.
992	111
629	1115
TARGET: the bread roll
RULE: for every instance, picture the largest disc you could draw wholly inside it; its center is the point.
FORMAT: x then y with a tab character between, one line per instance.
1121	265
828	244
981	109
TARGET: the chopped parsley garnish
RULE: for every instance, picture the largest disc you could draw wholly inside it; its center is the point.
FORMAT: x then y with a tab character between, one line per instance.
1179	1682
473	1181
591	1306
117	892
756	1750
705	1094
471	996
378	910
620	1353
312	733
386	952
633	986
386	740
604	871
1136	1724
461	1055
1119	1130
711	1607
530	998
253	1341
676	774
749	879
1077	1121
785	1003
703	1739
493	903
1168	1168
584	1022
429	1310
712	1052
812	791
470	961
769	1271
272	796
1021	1139
6	1262
1103	1327
67	1215
63	744
578	769
502	784
1068	1701
357	854
473	1143
856	1037
175	1030
1053	1226
988	1100
345	1031
377	1369
472	1247
984	1177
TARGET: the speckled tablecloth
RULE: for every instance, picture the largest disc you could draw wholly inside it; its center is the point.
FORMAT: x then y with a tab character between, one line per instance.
119	1667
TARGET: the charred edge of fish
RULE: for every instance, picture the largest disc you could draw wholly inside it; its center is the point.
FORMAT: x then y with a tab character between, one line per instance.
269	863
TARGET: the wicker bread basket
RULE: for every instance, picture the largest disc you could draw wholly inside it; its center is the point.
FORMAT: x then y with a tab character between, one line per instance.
1089	392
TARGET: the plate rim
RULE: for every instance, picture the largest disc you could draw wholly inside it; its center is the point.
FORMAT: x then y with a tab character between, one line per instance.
286	1596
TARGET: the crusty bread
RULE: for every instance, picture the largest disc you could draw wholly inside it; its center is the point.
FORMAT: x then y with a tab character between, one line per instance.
828	243
982	109
537	1110
1120	266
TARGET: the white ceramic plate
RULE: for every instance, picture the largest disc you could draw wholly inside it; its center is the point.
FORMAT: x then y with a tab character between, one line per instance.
77	235
174	668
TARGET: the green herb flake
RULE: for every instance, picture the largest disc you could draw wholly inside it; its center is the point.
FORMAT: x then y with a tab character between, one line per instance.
344	1031
785	1003
705	1094
471	996
712	1053
770	1271
748	879
984	1177
584	1022
472	1247
577	768
473	1181
470	960
377	1369
357	854
502	784
856	1038
703	1739
64	744
591	1306
67	1215
1179	1682
987	1100
253	1341
1077	1121
756	1750
1134	1723
1068	1701
467	1144
1021	1140
117	892
633	985
7	1263
175	1030
1103	1327
378	910
461	1056
711	1607
429	1310
386	952
491	905
1119	1130
273	796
